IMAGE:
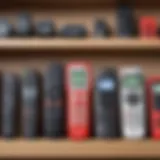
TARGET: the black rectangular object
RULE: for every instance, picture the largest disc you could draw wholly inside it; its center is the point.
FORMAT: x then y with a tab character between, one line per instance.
9	104
101	29
45	28
30	103
53	101
126	24
106	105
73	31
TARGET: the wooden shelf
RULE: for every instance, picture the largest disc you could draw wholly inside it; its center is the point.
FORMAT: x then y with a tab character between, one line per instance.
85	149
82	44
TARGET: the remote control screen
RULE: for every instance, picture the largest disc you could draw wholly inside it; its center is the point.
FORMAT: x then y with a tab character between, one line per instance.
132	81
78	78
106	84
156	91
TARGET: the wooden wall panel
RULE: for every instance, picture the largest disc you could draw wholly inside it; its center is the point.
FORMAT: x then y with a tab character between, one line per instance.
149	63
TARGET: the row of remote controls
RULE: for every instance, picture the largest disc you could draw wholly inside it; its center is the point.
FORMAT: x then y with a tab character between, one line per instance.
120	103
126	27
24	27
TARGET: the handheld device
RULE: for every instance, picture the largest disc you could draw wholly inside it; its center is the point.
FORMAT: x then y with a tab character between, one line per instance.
23	25
125	21
73	30
9	104
78	91
101	29
54	101
30	103
148	27
106	104
45	28
6	29
158	31
153	89
132	103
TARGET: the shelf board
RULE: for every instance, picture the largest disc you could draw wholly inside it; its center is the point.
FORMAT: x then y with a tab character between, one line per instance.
82	149
80	44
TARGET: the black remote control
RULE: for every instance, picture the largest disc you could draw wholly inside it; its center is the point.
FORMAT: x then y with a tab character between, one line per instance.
73	30
53	101
24	25
6	29
9	104
30	103
106	105
45	28
101	29
126	24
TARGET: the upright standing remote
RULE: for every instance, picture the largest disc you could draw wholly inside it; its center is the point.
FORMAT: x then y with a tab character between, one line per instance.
30	103
153	86
78	91
53	101
125	21
132	103
9	104
106	104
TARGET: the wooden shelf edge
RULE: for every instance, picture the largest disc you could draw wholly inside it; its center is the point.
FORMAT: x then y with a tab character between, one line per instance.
40	43
85	149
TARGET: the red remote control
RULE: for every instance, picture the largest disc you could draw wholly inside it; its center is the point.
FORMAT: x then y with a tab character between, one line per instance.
78	91
154	105
148	27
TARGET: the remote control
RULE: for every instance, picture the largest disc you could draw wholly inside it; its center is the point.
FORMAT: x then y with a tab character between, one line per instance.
101	29
132	103
30	103
78	91
148	27
153	89
106	104
125	21
53	101
23	25
73	30
45	28
9	104
6	29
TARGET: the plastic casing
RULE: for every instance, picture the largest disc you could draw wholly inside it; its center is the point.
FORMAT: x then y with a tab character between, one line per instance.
78	121
154	114
132	117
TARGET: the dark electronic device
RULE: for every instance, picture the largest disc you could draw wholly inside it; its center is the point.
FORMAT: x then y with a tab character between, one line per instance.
106	105
23	25
101	29
126	25
74	30
53	101
9	104
6	29
30	103
45	28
